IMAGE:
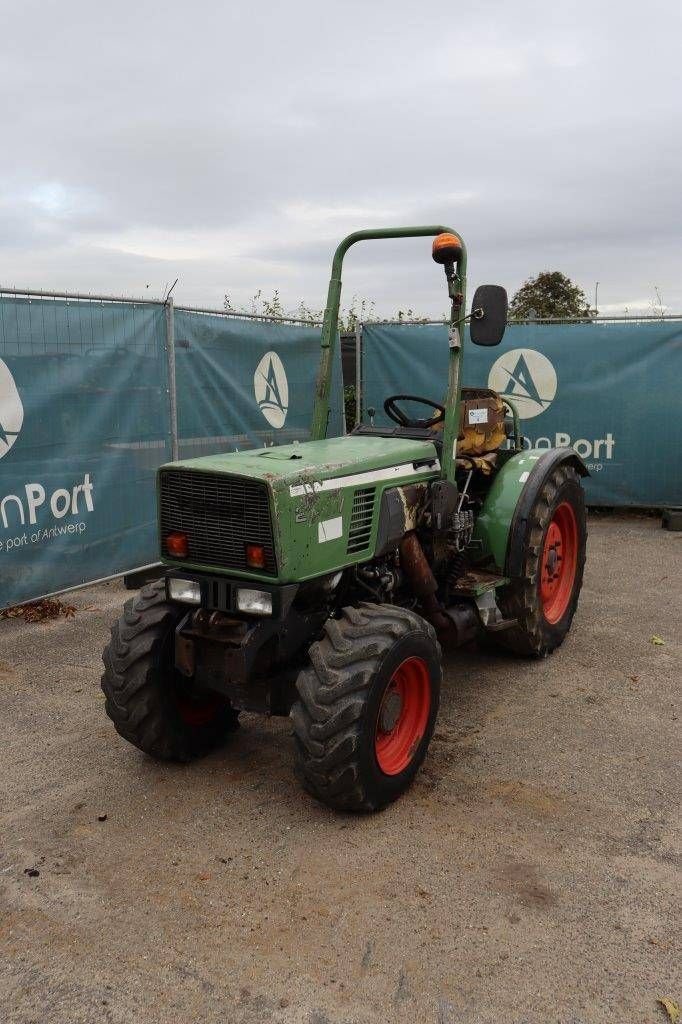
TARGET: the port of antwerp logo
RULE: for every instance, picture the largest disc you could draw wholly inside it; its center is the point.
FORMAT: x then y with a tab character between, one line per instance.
271	389
527	378
11	410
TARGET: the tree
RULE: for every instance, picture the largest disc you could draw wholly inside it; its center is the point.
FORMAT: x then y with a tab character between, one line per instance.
549	295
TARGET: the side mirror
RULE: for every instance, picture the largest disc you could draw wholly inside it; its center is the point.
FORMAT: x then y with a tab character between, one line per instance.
488	315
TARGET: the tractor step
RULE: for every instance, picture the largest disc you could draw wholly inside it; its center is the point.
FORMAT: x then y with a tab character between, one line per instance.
498	627
489	611
476	582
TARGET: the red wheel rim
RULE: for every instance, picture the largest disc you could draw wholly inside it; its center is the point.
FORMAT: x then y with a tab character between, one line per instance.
403	716
197	712
559	562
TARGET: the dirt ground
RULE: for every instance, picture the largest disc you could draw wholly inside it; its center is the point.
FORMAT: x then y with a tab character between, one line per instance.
530	875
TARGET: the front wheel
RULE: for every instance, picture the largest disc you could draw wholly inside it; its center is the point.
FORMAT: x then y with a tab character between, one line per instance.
150	703
368	706
543	601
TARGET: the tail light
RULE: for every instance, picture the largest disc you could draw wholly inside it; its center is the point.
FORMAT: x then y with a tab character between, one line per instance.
177	545
255	556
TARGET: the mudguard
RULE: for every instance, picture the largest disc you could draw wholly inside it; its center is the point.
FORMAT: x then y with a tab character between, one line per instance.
501	525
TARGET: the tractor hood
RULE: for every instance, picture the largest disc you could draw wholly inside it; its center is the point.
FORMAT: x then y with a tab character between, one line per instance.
334	459
324	500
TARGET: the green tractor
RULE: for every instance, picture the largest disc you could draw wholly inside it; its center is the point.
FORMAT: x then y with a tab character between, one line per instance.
319	580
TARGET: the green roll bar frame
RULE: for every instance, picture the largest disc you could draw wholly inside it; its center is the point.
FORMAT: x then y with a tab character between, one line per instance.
457	293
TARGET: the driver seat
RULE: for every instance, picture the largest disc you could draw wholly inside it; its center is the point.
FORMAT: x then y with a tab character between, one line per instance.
482	429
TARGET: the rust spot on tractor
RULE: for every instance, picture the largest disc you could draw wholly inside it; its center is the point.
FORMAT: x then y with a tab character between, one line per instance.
412	497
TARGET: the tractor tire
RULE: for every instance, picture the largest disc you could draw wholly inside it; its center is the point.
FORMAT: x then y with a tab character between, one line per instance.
368	706
543	601
151	705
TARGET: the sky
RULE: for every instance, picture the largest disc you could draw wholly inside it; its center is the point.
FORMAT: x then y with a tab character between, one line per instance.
231	145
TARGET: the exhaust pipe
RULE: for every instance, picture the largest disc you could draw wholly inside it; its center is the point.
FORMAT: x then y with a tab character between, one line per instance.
454	626
418	571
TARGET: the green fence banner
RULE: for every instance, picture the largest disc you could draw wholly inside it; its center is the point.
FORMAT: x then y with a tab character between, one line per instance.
83	425
85	421
247	384
610	390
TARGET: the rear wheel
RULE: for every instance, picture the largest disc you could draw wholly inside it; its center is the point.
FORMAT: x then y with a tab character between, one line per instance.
368	706
151	704
544	600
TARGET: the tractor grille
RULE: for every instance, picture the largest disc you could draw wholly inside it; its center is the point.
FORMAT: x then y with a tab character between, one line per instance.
220	515
361	520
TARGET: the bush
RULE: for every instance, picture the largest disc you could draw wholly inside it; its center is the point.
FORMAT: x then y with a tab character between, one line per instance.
349	406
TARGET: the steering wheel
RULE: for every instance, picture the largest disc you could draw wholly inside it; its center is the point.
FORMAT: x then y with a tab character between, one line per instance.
399	417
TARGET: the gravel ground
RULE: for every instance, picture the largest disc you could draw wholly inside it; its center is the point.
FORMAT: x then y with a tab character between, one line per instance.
530	875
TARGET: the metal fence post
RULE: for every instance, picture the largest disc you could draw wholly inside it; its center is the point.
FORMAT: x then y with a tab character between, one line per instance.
172	387
358	373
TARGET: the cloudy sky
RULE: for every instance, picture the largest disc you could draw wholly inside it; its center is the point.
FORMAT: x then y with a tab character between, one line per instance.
232	144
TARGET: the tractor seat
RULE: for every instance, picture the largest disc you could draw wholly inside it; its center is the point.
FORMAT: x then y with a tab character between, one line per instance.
482	429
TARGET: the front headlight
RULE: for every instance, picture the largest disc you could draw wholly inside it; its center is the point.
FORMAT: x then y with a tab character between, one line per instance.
187	591
255	602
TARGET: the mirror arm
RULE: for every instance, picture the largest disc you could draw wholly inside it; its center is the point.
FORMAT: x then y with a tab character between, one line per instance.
475	314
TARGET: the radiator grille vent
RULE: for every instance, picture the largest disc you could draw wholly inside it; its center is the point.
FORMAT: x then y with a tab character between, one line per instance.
361	520
220	515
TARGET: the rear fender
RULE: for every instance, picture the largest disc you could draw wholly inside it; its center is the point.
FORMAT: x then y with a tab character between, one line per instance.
501	525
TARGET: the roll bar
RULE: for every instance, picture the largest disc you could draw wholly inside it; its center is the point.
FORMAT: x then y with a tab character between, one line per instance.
457	291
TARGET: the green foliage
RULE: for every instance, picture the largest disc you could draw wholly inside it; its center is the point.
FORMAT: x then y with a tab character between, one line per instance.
359	311
260	305
349	405
549	295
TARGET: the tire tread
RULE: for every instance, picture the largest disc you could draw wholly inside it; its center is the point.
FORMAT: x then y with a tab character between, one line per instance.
136	700
333	689
530	637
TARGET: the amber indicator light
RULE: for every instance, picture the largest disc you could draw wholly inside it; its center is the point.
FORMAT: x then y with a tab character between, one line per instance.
446	248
